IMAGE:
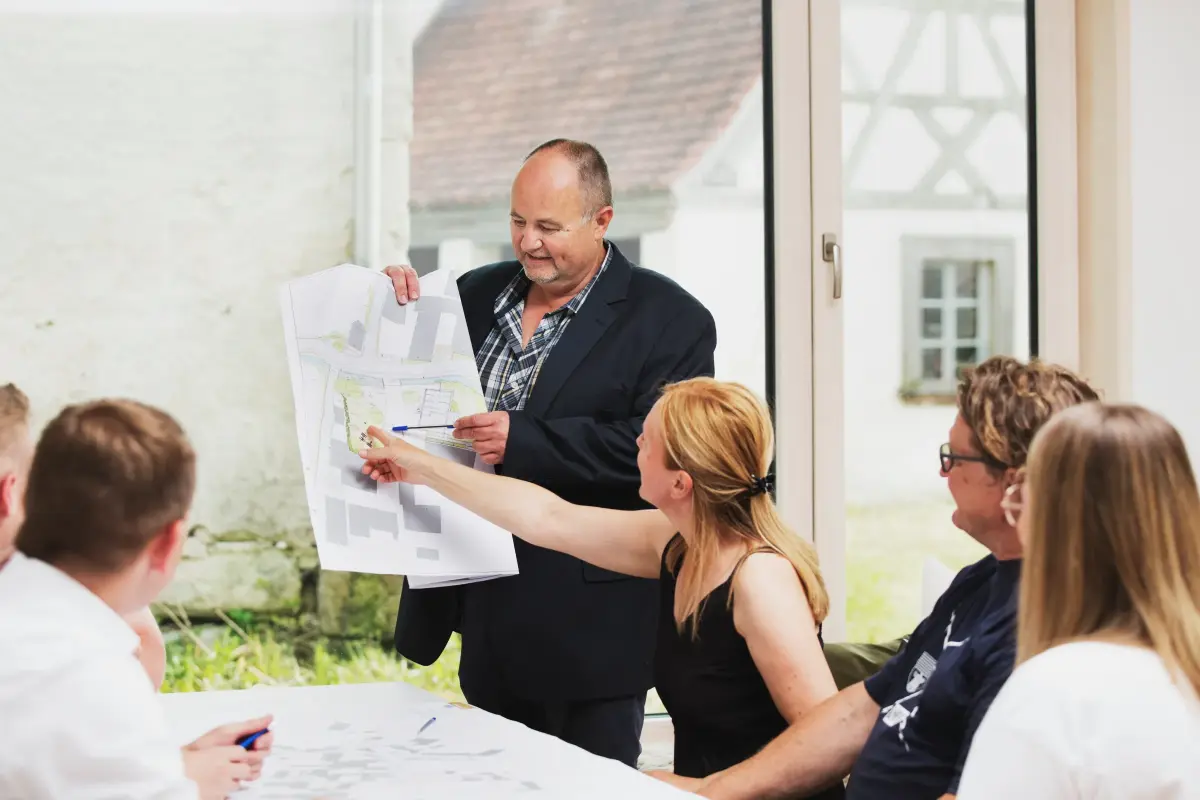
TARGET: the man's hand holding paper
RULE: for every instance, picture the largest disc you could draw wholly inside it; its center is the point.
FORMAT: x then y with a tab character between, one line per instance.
489	432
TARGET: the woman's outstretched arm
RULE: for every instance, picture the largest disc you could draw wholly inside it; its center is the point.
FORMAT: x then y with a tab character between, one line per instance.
629	542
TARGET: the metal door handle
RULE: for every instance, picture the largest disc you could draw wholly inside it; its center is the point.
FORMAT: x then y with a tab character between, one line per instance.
831	251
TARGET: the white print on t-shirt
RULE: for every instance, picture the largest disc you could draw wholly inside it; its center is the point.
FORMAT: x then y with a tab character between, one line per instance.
897	715
947	644
921	672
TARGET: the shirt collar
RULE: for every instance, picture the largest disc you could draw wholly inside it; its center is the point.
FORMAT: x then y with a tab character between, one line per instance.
69	605
514	293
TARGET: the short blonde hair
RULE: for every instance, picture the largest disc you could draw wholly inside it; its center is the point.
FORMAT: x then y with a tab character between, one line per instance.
107	477
721	435
14	417
1114	537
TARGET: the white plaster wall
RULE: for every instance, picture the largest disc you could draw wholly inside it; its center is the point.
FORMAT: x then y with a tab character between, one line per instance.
463	255
1164	173
163	174
891	447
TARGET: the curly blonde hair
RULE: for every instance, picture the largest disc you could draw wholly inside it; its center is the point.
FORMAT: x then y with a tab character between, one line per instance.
1005	402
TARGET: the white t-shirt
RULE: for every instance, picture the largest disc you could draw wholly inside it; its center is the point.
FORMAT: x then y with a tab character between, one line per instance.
78	716
1088	720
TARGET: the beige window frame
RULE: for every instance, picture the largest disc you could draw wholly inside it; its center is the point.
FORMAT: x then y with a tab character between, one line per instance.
1072	305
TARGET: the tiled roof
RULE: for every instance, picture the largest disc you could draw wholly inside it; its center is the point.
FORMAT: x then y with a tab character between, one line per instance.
652	83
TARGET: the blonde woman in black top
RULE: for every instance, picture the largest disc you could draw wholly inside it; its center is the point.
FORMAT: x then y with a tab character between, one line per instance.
739	652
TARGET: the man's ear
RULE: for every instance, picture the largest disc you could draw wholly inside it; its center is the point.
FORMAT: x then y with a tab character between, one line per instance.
602	218
166	548
9	501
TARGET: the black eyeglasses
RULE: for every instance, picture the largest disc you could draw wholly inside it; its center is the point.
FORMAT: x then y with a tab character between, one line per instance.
949	458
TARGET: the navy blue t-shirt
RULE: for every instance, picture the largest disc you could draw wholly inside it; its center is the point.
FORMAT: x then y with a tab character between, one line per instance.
933	694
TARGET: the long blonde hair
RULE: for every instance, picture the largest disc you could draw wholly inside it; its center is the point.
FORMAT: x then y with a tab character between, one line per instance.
1114	537
720	434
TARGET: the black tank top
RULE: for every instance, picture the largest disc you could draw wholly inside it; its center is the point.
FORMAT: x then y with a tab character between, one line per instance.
719	704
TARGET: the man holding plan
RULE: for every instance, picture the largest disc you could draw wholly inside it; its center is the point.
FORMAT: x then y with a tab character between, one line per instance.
573	343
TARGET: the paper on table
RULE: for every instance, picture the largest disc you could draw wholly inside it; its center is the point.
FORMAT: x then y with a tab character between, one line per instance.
373	741
358	358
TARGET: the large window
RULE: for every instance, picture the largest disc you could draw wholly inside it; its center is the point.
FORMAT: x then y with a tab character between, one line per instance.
278	139
682	134
936	233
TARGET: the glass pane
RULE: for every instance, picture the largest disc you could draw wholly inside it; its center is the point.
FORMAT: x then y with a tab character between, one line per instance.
685	157
965	356
921	92
931	323
931	282
966	280
255	142
964	324
931	364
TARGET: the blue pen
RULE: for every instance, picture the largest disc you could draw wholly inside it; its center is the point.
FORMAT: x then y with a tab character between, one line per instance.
249	739
403	428
426	725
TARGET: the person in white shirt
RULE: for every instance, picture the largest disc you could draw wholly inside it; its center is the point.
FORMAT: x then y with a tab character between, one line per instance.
1104	700
16	451
99	529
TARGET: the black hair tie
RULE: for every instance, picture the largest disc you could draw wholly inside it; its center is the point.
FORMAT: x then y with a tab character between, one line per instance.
761	485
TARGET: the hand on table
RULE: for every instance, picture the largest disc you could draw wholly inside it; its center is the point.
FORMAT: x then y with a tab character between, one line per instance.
218	766
488	431
405	282
219	771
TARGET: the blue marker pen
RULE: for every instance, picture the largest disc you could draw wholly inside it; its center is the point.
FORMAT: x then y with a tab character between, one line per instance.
403	428
249	739
426	725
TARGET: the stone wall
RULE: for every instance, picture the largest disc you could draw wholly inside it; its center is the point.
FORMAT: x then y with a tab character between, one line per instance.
278	578
166	167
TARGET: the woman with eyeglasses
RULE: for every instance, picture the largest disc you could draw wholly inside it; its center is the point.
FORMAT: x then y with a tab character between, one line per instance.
1104	700
739	652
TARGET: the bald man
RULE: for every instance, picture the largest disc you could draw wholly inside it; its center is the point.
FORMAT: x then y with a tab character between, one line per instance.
573	343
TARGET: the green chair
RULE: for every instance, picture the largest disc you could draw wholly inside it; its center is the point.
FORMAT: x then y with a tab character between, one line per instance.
852	662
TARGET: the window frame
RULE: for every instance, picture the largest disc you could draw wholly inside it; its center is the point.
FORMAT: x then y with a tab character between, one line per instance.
995	302
809	402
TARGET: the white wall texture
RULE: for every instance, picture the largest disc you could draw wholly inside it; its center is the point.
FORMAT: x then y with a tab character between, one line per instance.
1164	173
164	172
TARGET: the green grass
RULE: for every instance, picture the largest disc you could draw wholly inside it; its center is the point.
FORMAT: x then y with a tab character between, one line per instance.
236	659
885	550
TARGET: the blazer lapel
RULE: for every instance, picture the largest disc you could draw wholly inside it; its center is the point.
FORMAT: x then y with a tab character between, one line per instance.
479	306
582	333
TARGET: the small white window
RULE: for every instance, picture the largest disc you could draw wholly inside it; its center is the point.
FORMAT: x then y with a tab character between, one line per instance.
957	309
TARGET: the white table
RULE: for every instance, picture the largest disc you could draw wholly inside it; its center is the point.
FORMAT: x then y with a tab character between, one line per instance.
361	741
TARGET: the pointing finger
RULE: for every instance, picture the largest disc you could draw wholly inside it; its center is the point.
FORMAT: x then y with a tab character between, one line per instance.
380	435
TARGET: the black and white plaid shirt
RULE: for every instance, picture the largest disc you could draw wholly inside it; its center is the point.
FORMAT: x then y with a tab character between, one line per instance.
508	371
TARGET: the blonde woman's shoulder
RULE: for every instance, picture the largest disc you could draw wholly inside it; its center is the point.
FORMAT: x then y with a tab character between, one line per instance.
765	569
1114	711
1079	667
766	585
